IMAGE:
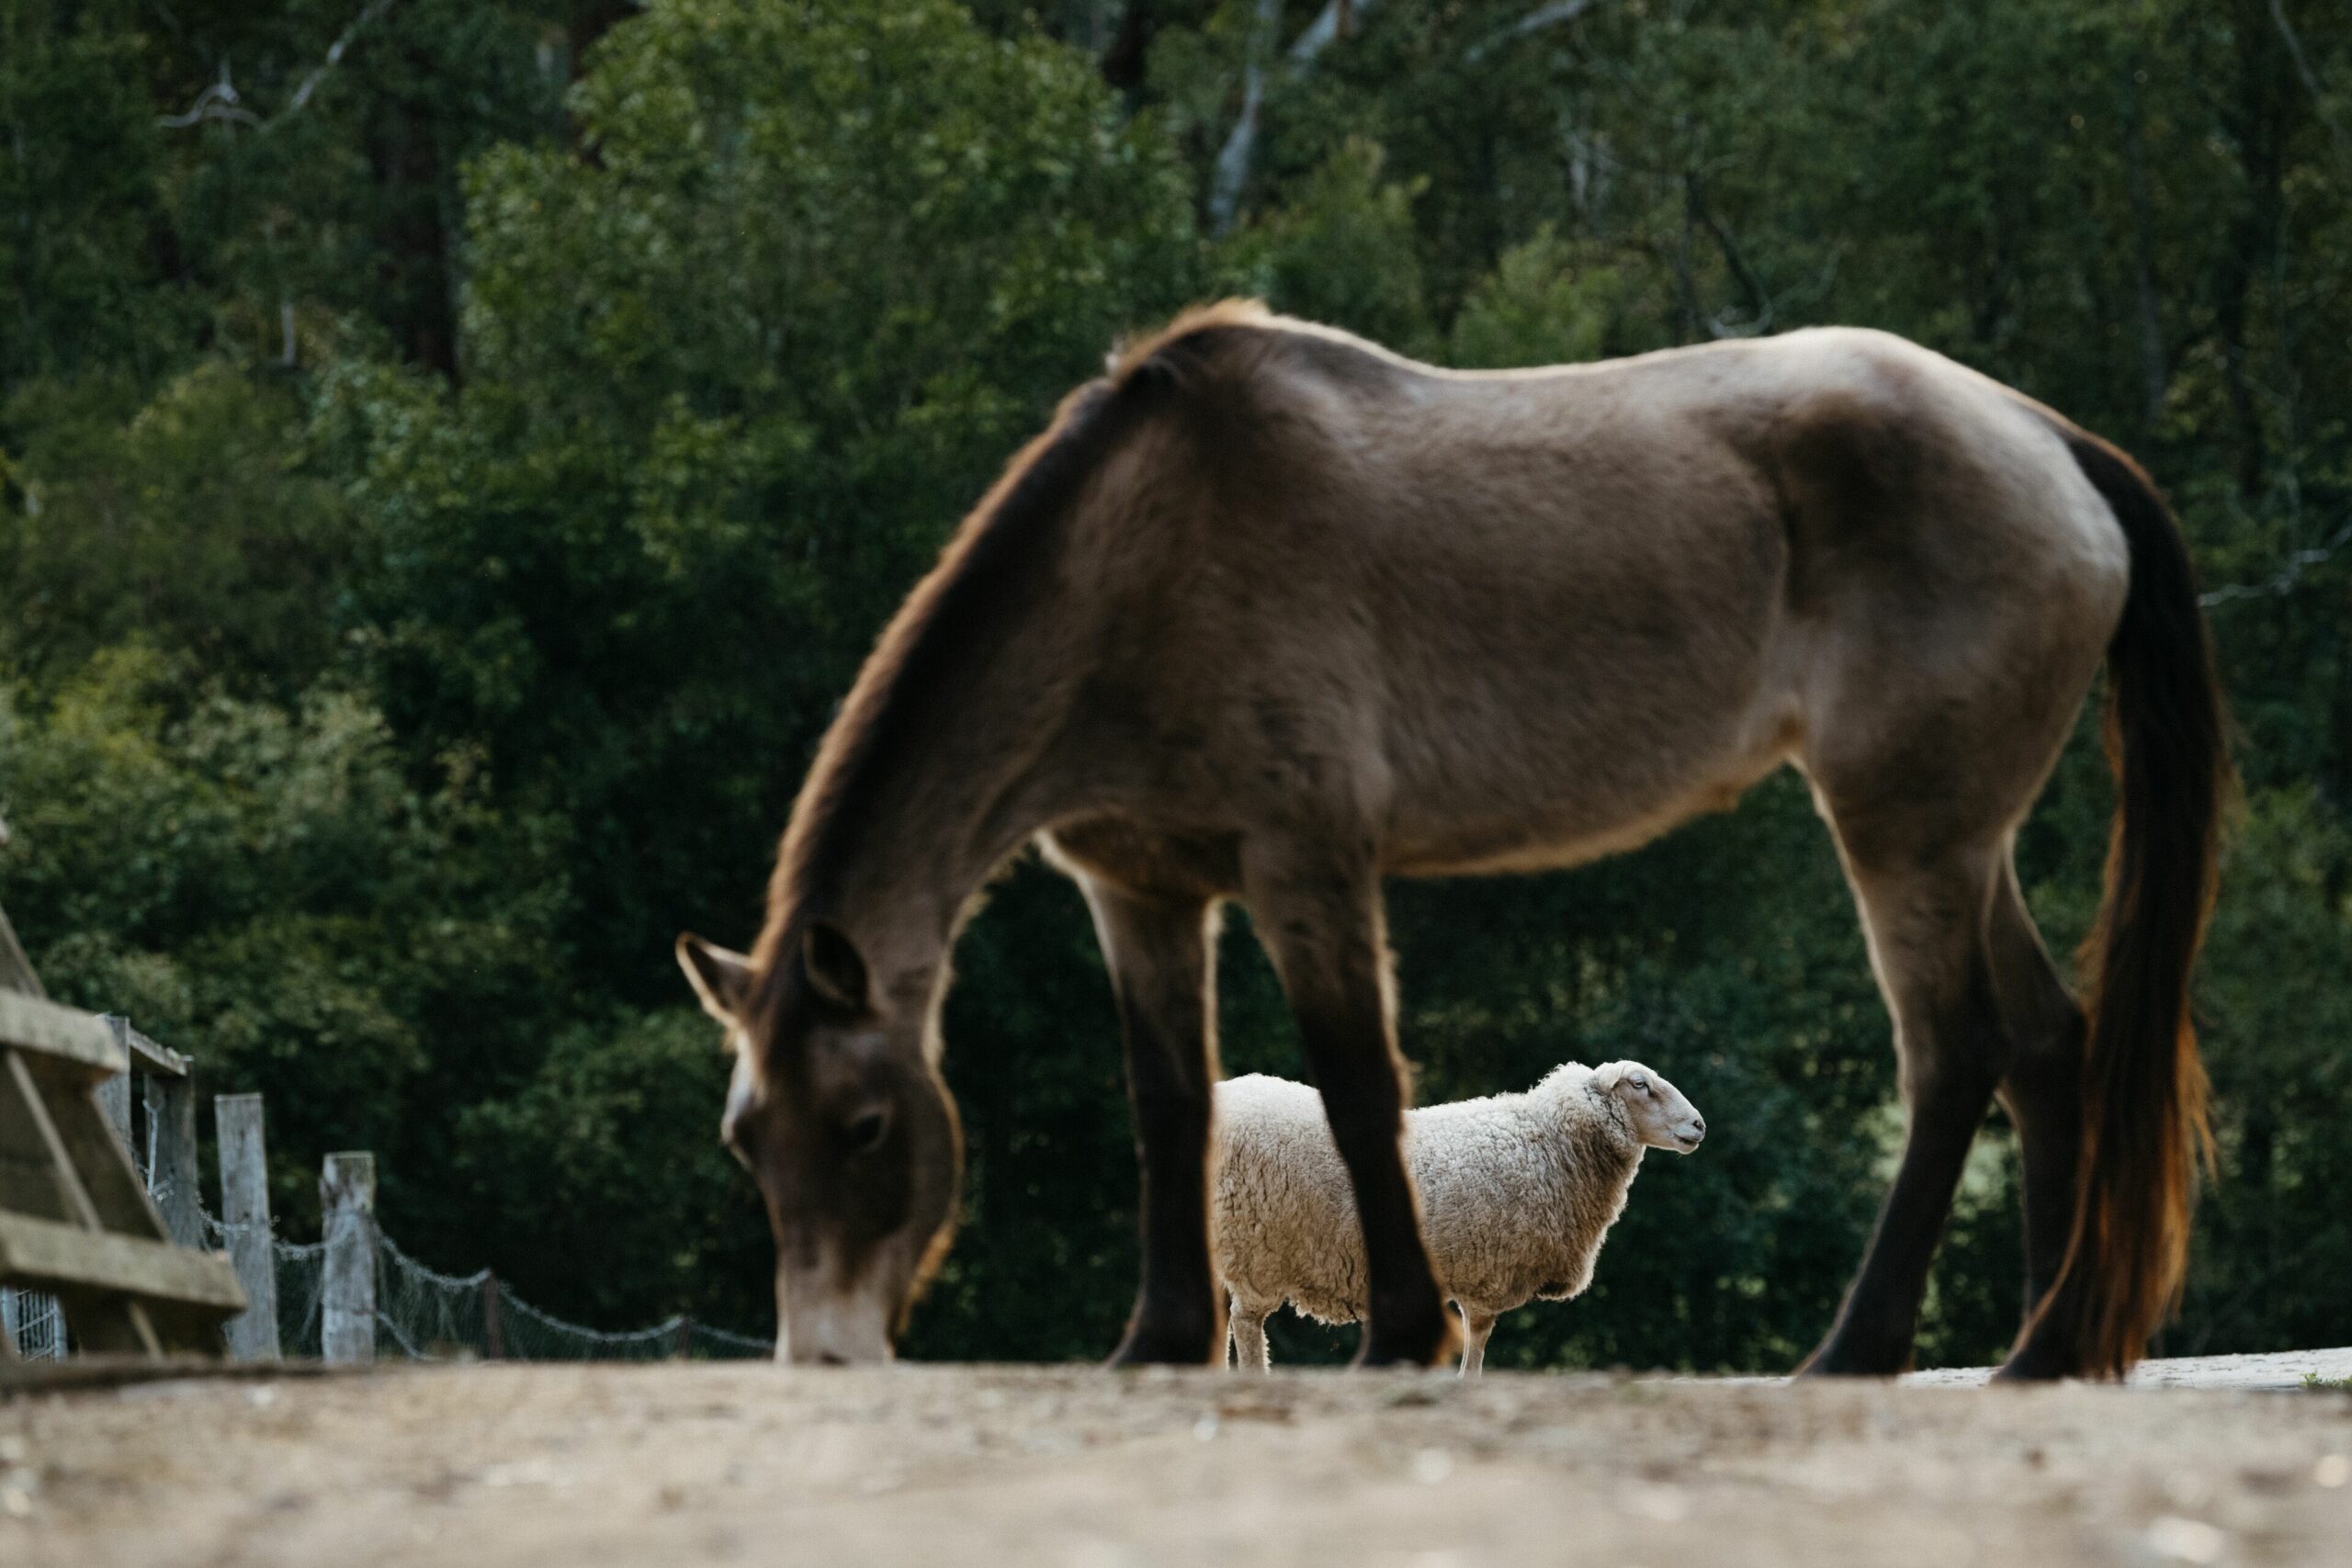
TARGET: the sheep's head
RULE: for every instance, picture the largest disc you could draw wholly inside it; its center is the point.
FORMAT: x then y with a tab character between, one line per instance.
1661	1118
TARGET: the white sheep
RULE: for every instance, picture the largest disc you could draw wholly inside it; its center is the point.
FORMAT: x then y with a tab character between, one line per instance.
1516	1192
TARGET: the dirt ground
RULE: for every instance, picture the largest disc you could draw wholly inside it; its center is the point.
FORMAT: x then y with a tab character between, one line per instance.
1075	1468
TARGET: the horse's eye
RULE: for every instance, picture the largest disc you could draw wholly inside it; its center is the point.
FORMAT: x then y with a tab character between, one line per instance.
864	1133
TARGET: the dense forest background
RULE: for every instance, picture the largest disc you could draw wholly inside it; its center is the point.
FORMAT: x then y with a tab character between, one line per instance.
454	454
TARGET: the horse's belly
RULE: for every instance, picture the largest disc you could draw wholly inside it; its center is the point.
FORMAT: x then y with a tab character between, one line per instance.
1535	785
1570	834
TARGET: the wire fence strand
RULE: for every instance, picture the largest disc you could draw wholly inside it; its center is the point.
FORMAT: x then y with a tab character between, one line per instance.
421	1314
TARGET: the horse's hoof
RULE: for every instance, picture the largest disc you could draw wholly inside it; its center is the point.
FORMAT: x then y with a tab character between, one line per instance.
2038	1363
1171	1345
1837	1360
1437	1345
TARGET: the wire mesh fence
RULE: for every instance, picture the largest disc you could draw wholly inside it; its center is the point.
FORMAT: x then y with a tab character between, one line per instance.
421	1314
32	1319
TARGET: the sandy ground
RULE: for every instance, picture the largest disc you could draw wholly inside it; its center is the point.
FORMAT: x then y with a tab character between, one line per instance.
1074	1468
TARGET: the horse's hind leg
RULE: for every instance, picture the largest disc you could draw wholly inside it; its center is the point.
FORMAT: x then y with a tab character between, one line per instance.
1925	915
1160	958
2042	1088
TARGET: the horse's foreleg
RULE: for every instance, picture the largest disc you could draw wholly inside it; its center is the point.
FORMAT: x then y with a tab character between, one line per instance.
1926	925
1161	967
1322	926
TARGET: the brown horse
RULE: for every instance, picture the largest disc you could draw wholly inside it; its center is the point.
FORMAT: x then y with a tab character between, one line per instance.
1268	614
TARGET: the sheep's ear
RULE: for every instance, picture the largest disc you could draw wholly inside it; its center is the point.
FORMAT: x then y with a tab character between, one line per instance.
721	977
1605	1076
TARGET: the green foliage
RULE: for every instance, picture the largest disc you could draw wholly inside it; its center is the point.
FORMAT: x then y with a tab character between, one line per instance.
444	491
598	1120
190	527
1538	309
733	372
78	191
1341	253
263	884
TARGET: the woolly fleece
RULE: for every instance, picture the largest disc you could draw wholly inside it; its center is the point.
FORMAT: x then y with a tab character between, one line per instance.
1517	1190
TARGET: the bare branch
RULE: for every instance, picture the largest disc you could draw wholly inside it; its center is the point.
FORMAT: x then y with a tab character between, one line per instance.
221	101
1329	23
335	53
1232	171
2288	578
2310	81
1535	21
1233	160
1758	299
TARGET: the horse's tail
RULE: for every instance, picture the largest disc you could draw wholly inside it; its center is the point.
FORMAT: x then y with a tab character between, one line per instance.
2144	1122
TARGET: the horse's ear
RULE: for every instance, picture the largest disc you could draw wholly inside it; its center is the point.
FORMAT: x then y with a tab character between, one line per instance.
721	977
836	970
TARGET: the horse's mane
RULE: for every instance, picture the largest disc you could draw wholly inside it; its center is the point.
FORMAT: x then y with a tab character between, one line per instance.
973	587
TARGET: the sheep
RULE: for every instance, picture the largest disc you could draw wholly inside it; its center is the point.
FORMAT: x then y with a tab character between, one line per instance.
1516	1192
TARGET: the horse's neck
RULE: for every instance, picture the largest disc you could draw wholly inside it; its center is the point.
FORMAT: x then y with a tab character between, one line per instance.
920	842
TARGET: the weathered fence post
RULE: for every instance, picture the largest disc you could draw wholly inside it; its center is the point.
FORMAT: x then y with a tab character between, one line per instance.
493	1320
171	1158
347	1309
114	1093
684	1348
244	1214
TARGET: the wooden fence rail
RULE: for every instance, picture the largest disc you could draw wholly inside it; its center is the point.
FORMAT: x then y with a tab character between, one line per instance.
75	1217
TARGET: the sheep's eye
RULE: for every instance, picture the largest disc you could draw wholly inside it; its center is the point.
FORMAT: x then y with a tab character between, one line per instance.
865	1134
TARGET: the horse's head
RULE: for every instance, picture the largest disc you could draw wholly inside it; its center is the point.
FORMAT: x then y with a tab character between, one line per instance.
838	1109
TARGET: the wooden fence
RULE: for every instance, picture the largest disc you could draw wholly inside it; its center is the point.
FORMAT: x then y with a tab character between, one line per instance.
76	1219
123	1256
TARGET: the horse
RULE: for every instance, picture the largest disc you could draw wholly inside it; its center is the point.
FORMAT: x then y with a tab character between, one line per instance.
1269	613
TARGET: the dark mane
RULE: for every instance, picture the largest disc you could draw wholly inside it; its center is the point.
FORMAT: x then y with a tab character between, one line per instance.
954	609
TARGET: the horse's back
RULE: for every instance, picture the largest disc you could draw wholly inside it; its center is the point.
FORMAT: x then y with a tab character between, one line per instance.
1526	618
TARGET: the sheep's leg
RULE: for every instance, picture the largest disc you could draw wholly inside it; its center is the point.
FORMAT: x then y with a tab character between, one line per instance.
1925	921
1320	916
1161	974
1249	1338
1476	1326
